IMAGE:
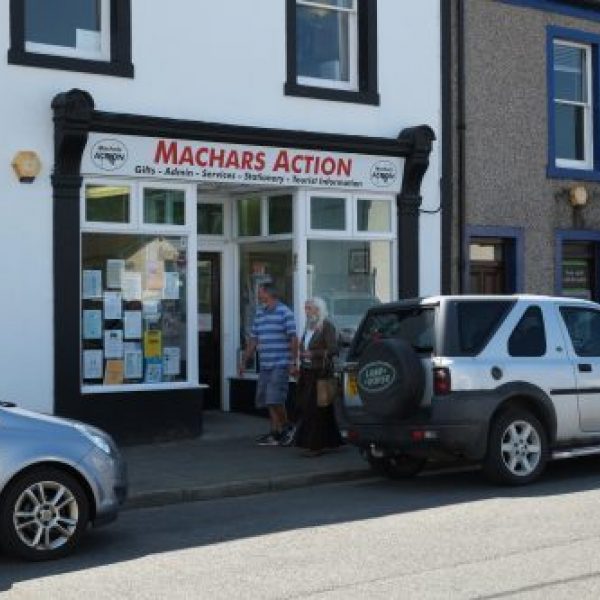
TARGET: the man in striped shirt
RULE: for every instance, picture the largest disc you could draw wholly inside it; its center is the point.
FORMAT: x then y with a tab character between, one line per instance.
274	334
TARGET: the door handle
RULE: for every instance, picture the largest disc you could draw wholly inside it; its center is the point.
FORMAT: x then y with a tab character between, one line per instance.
584	367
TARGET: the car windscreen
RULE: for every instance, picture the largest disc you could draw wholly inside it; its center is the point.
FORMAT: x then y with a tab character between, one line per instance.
413	325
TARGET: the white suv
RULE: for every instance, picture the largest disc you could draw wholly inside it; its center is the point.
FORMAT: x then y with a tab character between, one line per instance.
510	381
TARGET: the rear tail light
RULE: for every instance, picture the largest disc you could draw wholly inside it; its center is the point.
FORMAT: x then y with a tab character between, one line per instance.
442	382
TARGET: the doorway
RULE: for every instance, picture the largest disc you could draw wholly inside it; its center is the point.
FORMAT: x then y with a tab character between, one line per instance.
209	327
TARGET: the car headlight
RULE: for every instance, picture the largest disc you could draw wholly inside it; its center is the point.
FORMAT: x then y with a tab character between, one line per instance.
94	437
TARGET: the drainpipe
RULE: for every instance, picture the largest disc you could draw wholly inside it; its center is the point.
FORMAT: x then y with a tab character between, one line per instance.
461	129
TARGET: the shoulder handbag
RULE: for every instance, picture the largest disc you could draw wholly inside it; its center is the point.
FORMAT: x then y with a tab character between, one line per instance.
326	391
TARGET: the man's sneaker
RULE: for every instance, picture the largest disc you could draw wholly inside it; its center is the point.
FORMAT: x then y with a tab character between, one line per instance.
269	440
287	436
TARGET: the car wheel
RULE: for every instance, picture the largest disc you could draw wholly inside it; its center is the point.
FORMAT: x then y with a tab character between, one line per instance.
397	466
517	448
43	514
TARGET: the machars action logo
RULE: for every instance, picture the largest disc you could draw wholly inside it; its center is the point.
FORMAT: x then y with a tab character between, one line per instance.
109	155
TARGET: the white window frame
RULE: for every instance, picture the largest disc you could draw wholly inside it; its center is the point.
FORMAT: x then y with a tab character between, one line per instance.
137	227
102	226
223	201
588	142
352	84
375	235
264	234
328	233
102	55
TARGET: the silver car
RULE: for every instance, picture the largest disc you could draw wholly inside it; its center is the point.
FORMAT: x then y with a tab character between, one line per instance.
56	477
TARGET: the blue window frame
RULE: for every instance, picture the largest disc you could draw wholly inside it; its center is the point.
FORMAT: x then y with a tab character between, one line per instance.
577	266
509	240
573	116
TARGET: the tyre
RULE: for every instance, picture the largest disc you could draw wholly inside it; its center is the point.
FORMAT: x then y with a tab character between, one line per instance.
43	514
390	379
397	466
517	448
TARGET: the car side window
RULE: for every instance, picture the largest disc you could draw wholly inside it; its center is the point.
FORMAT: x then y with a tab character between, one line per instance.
583	325
529	336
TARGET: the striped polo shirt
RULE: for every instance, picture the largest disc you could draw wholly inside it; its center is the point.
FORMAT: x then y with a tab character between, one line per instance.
273	328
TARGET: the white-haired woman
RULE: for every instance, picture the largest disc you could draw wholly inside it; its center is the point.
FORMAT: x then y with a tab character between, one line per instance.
317	429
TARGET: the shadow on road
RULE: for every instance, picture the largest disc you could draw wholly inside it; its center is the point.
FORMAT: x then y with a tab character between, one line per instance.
145	532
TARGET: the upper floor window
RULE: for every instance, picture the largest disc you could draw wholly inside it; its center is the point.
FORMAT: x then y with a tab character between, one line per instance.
81	31
572	105
326	43
332	52
79	35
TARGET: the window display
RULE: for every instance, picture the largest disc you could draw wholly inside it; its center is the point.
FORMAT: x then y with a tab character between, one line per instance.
134	295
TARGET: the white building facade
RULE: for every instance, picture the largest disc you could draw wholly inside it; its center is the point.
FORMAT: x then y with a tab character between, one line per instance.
187	154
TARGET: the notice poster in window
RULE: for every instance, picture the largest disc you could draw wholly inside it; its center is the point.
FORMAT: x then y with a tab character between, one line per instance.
153	371
92	285
151	310
114	272
131	285
155	275
132	324
153	344
113	343
113	305
133	360
93	361
171	361
92	324
113	374
171	289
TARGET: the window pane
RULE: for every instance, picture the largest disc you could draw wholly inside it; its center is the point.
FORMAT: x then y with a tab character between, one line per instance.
477	320
577	280
529	336
336	3
374	215
570	77
248	216
68	23
584	330
569	128
350	276
210	219
328	213
164	207
134	321
322	43
107	204
263	262
280	214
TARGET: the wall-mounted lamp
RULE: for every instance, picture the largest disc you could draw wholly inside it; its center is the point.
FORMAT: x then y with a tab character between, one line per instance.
578	196
26	165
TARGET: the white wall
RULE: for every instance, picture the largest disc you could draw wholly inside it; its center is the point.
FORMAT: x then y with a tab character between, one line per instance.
216	61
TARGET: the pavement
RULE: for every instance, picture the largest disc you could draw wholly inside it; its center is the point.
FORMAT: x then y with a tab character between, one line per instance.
225	461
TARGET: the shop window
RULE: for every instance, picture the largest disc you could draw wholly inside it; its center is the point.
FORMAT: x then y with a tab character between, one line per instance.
79	35
578	273
328	213
572	88
350	276
249	216
134	315
280	214
164	206
263	262
210	218
107	203
331	48
373	216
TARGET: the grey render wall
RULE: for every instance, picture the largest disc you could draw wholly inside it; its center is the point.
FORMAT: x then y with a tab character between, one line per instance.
506	134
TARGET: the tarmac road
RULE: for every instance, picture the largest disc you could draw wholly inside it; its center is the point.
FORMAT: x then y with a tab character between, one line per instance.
440	536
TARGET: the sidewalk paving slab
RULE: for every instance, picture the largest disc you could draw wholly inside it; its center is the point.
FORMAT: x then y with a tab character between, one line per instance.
226	461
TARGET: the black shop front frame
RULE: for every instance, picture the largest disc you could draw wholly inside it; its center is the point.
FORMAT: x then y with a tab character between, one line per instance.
134	416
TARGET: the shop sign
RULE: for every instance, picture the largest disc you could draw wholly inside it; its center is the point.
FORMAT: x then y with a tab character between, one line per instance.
238	164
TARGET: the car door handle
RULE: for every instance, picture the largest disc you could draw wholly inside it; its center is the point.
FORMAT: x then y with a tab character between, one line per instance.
585	367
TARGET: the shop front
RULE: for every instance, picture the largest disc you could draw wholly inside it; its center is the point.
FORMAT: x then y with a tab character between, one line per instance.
164	229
